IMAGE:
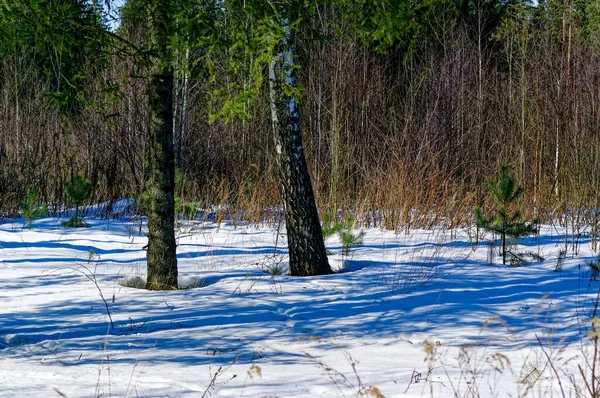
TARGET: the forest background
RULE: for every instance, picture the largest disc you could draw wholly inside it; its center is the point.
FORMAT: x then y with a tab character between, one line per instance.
407	109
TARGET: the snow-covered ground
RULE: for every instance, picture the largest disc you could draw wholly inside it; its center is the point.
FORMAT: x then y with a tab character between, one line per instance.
410	315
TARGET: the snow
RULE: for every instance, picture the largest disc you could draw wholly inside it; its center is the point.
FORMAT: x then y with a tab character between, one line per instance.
412	315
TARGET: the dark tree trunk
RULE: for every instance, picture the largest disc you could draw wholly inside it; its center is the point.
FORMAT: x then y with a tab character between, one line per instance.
305	238
162	259
161	255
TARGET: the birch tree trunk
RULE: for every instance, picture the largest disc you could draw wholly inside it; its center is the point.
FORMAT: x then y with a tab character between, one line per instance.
305	238
180	105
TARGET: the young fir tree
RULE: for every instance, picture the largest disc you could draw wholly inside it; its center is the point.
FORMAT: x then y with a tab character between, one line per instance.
504	191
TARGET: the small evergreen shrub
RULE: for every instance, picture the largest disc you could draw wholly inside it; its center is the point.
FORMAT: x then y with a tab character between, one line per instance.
329	227
140	202
594	267
30	209
343	229
505	192
348	238
187	210
78	190
74	222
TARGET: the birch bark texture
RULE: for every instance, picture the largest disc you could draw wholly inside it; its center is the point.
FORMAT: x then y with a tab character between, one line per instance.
307	252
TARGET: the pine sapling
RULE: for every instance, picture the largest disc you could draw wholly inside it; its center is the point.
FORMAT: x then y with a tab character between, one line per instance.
348	237
343	229
78	190
594	267
329	226
505	192
140	203
30	209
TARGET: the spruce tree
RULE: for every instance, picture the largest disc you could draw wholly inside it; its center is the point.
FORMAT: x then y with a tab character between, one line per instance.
504	192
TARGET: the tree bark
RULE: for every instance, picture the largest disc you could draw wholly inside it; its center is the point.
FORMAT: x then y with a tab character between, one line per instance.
161	256
181	88
503	244
305	238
